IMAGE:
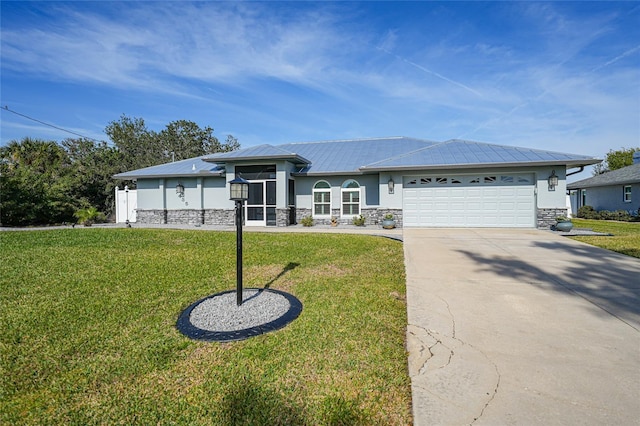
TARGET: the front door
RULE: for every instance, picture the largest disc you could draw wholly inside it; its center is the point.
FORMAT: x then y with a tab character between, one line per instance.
261	205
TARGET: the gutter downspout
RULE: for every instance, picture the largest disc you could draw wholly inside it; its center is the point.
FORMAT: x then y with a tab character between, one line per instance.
577	192
576	172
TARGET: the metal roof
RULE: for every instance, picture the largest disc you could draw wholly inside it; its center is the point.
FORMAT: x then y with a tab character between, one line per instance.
348	156
357	156
196	166
262	152
625	175
462	153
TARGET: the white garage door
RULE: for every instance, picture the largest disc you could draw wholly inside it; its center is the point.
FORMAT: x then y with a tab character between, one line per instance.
469	201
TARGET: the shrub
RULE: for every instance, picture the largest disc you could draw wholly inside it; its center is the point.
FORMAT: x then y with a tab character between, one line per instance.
307	221
587	212
359	220
388	216
620	215
89	216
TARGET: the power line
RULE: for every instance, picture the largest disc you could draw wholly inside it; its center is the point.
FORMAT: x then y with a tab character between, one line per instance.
6	108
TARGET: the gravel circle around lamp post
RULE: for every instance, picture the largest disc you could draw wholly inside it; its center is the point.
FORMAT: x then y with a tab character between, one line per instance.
219	318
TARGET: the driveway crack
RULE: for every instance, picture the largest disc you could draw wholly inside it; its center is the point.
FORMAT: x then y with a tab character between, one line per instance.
453	319
493	395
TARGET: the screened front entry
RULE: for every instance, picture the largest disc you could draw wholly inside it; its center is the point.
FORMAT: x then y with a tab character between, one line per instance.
260	208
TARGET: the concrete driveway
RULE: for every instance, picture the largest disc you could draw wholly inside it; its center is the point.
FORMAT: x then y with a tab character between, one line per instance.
521	327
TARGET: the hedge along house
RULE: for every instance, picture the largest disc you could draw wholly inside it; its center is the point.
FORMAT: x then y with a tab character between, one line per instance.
456	183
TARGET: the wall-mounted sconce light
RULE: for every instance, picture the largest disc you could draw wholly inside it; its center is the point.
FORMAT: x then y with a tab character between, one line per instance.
180	190
391	184
553	181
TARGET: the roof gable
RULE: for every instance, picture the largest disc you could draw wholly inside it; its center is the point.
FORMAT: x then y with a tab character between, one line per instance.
625	175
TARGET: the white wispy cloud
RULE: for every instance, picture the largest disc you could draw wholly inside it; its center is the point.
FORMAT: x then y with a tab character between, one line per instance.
150	44
554	76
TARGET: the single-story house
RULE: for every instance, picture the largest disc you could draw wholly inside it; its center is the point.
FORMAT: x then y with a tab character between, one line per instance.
614	190
456	183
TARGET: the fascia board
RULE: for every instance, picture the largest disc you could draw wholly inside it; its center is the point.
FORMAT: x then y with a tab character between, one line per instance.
336	173
167	175
295	157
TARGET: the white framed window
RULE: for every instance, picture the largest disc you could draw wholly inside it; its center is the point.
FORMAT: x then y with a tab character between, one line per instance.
322	199
350	205
626	193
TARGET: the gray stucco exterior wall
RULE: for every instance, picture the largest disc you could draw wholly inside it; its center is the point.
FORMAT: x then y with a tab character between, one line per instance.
612	198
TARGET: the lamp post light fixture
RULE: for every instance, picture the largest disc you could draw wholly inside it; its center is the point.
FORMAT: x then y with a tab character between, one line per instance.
239	192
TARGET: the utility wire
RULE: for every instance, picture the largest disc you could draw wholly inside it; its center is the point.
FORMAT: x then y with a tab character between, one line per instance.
6	108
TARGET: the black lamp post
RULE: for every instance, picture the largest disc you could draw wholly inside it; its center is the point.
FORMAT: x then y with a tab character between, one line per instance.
239	193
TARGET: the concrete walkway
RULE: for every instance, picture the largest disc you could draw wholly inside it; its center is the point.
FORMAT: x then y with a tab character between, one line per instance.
521	327
395	233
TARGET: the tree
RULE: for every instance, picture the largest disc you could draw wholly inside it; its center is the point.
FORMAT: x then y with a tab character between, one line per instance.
231	144
36	183
134	143
615	160
181	139
43	182
93	165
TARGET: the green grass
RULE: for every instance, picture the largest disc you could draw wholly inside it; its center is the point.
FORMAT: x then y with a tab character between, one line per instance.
625	239
88	330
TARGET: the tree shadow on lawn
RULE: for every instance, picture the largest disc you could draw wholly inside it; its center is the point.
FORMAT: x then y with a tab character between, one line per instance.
609	280
249	403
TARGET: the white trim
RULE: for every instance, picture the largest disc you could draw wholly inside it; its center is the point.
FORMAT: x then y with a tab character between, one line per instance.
343	190
625	193
264	204
315	190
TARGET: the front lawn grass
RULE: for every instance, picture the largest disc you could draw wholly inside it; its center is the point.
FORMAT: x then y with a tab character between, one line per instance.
625	239
88	330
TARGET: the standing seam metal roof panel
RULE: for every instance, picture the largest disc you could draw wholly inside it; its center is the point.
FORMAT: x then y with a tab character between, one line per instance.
190	166
364	155
475	153
349	156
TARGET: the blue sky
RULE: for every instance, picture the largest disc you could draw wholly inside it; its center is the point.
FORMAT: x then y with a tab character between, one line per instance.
562	76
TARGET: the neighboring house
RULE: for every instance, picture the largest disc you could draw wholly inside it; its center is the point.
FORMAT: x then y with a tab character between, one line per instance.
614	190
456	183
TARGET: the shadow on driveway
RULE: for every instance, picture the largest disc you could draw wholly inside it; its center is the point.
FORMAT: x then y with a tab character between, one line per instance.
608	280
